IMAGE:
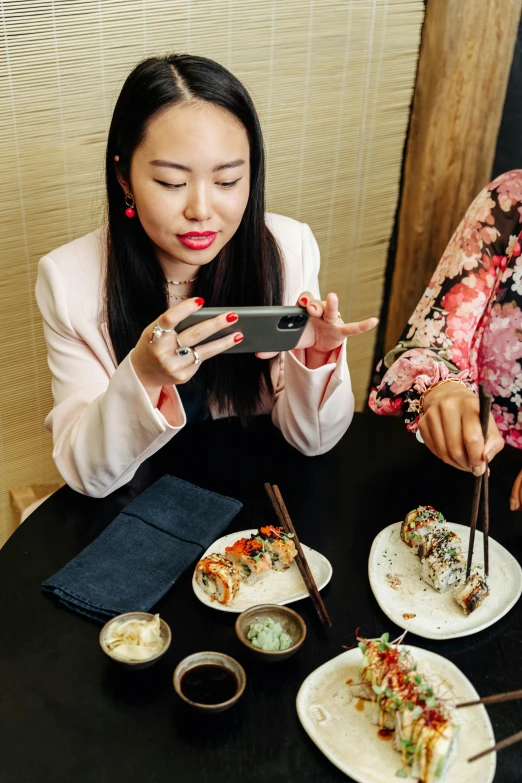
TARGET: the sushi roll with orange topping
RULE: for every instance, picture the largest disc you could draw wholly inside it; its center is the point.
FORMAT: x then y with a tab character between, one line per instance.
419	523
249	557
218	578
279	546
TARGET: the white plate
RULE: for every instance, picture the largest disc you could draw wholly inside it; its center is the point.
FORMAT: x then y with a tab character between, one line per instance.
437	615
328	713
277	587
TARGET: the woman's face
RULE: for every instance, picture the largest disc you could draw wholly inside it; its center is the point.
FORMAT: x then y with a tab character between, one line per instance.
190	178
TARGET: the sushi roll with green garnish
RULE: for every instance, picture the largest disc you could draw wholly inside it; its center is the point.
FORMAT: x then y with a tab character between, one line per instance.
279	546
418	524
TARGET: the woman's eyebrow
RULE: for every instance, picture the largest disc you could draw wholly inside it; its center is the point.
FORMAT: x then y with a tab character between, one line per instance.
171	165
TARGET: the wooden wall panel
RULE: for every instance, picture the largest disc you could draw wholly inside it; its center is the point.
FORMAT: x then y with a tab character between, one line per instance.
465	59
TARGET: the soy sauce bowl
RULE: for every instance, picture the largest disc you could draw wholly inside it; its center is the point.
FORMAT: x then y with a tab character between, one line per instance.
291	622
203	659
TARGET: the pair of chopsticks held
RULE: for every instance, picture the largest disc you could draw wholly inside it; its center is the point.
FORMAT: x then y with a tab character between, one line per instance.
481	488
481	494
283	516
497	699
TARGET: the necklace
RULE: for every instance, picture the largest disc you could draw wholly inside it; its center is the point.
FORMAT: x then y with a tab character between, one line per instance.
181	282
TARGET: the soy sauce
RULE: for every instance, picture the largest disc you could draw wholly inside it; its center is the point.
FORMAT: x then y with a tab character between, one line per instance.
209	684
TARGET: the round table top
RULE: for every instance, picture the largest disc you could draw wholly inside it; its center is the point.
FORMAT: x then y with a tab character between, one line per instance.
68	713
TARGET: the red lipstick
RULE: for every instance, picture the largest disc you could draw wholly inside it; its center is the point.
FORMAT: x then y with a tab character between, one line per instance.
197	240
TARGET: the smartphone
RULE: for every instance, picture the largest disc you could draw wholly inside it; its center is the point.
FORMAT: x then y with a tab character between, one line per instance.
264	328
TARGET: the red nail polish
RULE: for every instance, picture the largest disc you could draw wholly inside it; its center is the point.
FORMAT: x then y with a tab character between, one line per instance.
199	301
231	317
238	338
304	300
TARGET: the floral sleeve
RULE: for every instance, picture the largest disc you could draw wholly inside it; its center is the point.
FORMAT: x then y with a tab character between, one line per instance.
443	336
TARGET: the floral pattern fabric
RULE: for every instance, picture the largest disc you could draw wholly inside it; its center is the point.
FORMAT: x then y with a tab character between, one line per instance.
468	323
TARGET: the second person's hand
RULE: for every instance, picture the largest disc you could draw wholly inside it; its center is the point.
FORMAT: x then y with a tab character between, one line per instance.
451	429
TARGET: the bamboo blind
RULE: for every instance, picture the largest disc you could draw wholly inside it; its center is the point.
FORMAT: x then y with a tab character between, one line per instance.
332	81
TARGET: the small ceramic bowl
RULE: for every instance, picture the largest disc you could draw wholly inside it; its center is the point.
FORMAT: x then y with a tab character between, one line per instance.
291	622
212	659
164	632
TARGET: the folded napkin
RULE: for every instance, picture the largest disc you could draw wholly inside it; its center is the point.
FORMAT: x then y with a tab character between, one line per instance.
140	555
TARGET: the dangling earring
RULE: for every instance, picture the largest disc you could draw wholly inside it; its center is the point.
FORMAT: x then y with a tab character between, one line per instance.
129	201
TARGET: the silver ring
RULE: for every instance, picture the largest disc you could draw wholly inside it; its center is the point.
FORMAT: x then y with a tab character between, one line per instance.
197	360
182	350
158	331
339	318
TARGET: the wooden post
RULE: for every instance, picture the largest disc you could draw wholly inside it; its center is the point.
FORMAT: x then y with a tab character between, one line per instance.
464	64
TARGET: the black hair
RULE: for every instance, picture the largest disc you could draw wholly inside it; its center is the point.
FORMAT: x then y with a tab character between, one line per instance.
246	271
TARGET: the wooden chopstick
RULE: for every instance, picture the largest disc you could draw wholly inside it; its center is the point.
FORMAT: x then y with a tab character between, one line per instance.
481	488
284	518
477	490
505	743
498	698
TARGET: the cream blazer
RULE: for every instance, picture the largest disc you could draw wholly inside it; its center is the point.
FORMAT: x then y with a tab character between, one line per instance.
103	422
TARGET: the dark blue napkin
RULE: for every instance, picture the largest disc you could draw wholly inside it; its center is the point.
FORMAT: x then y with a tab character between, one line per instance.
140	555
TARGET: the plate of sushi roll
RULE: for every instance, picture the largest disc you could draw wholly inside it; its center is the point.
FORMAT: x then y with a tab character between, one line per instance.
254	567
385	711
417	571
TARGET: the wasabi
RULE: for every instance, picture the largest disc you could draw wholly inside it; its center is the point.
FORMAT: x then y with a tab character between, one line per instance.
268	635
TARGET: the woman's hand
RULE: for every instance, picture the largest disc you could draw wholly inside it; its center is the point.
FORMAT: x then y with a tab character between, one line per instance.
155	360
515	500
325	330
451	428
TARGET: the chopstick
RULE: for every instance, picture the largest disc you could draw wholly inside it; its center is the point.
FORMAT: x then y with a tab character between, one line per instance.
302	563
505	743
498	698
481	488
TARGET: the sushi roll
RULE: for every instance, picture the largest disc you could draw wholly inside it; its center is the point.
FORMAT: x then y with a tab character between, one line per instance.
443	569
438	537
428	743
279	546
218	578
471	593
425	733
419	523
250	558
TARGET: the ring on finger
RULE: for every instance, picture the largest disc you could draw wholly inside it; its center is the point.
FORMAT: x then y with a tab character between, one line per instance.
158	331
197	360
339	318
182	350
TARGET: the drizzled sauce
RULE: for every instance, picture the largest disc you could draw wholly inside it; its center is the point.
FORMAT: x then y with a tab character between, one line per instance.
385	734
209	684
359	705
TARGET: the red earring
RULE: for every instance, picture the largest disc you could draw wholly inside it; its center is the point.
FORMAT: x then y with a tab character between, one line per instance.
129	201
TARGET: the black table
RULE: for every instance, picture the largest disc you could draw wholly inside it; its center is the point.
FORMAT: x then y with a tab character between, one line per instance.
67	713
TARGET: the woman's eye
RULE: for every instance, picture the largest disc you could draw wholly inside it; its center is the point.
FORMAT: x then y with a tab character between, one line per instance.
170	185
228	184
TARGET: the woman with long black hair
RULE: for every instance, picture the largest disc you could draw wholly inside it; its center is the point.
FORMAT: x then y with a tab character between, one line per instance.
186	227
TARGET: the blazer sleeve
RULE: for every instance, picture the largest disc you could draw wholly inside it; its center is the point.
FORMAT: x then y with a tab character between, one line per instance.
103	423
313	408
